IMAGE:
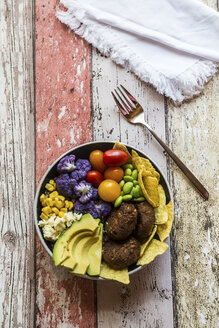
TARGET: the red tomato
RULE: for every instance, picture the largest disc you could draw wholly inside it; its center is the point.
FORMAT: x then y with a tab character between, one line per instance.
109	190
115	157
114	173
94	177
96	160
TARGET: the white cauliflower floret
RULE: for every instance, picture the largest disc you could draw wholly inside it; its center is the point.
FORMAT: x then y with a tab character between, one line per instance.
54	226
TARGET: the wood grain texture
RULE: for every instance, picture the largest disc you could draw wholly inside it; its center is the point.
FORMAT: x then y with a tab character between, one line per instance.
147	301
63	120
17	290
193	135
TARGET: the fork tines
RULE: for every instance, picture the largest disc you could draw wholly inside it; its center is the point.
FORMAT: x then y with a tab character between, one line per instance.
124	100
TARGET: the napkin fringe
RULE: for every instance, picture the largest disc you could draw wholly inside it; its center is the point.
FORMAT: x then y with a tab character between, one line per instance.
188	84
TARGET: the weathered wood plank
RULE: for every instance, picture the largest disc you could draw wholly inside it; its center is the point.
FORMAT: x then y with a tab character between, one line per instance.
17	286
63	120
147	301
193	134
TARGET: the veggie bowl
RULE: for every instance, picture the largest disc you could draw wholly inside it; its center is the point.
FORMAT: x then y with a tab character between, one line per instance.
103	210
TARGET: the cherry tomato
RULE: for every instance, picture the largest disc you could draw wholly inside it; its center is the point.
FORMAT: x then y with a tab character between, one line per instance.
96	160
109	190
114	173
95	178
115	157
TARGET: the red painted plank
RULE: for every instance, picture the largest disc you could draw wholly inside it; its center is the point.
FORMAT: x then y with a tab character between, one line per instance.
63	120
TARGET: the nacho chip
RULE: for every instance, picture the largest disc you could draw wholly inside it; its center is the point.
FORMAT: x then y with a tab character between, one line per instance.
144	246
160	212
149	187
154	249
109	273
163	230
141	162
120	146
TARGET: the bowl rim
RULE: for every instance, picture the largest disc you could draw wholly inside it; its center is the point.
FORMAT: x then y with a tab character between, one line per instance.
37	195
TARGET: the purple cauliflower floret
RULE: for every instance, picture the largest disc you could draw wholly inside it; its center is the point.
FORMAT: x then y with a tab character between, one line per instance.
103	208
64	185
79	207
84	191
91	209
82	168
66	164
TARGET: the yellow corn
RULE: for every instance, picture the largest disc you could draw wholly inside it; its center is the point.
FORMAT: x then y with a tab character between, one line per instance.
49	187
66	203
62	198
50	214
64	210
46	210
42	197
70	205
59	204
61	214
54	194
49	201
52	182
43	216
55	210
43	202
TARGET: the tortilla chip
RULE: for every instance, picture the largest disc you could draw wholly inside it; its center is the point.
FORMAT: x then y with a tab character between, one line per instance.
141	162
149	187
154	249
109	273
163	230
120	146
160	212
144	246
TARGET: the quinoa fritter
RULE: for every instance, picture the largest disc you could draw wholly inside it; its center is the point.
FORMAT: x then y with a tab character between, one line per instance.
121	254
122	222
145	220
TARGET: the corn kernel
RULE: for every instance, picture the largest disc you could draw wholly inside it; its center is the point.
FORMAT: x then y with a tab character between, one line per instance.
54	194
50	214
49	187
52	182
62	198
64	210
43	203
46	210
66	203
59	204
70	206
42	197
49	202
43	216
54	185
61	214
55	210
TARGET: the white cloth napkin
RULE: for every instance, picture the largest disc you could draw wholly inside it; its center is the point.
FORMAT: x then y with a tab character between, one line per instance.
172	44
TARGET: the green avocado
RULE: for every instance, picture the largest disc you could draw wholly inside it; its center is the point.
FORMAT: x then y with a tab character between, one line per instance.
61	247
95	255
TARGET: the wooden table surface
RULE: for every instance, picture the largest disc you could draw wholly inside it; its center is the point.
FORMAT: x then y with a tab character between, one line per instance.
54	95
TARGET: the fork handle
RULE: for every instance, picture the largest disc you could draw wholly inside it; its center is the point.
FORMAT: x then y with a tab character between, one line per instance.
201	189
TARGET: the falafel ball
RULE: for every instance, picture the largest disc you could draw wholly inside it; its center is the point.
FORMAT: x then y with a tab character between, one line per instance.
145	220
121	254
122	221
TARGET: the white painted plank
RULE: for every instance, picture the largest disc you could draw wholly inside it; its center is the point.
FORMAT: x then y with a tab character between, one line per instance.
147	301
17	285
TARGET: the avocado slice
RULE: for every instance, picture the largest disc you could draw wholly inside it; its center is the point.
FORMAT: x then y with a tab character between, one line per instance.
60	250
70	261
80	253
95	255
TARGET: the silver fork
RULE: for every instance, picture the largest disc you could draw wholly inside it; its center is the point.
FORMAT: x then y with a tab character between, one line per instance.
133	112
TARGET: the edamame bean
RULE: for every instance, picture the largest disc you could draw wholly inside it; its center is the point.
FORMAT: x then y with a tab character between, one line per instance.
135	183
136	191
127	187
128	172
126	198
118	201
135	174
128	166
139	199
127	178
121	184
122	193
